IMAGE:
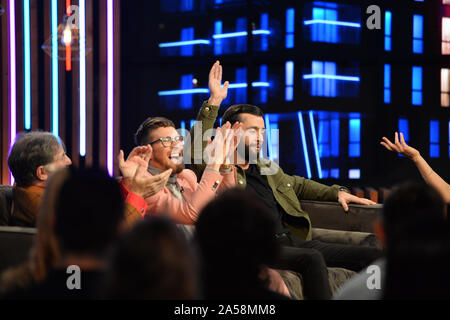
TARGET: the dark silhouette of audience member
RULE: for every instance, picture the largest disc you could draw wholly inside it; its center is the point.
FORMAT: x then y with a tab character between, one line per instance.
235	239
417	241
89	215
152	261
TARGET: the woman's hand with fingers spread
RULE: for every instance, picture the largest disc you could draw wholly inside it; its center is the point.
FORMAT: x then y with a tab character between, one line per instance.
400	147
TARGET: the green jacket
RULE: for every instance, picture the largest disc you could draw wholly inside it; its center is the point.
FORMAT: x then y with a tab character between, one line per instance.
287	189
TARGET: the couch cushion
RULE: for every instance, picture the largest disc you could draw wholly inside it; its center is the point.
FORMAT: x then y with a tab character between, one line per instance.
15	244
5	204
293	280
331	215
355	238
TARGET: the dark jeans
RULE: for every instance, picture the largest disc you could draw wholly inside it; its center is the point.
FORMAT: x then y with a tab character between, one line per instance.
311	259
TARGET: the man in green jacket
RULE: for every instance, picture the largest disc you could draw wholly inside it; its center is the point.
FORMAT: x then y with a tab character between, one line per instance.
279	191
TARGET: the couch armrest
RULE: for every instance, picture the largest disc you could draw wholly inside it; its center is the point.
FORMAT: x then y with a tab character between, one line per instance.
331	215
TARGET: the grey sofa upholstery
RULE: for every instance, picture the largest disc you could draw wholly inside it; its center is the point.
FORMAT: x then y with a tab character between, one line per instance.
5	204
15	244
330	223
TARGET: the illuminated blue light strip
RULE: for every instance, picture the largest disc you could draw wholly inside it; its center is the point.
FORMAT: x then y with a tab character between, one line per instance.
55	94
290	27
239	34
27	64
82	23
316	149
327	76
205	90
305	147
387	31
237	85
269	136
184	91
403	127
331	22
183	43
260	84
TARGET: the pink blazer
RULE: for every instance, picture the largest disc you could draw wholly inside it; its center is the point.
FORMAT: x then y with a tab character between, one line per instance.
196	195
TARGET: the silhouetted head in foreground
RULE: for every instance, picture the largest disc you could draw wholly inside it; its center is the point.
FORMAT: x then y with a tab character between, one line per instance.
417	243
152	261
235	238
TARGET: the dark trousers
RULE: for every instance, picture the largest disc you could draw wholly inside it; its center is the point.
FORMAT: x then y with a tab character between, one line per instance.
311	259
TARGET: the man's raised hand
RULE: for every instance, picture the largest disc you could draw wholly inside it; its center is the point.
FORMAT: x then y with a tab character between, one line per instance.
218	93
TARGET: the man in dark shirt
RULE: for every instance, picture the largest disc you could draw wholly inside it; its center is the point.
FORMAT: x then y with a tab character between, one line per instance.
281	193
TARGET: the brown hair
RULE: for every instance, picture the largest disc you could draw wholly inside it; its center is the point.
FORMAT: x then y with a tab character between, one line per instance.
142	135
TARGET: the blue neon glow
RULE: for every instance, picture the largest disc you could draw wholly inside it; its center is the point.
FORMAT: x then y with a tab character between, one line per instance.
186	83
289	80
328	76
205	90
239	34
27	64
269	135
434	131
264	26
182	91
354	174
187	34
334	173
263	84
387	83
184	43
334	23
434	139
290	27
417	33
183	127
403	127
260	84
316	149
387	31
218	25
354	137
305	147
82	23
55	94
335	123
417	86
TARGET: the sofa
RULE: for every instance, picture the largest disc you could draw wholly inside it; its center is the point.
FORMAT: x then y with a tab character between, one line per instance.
329	221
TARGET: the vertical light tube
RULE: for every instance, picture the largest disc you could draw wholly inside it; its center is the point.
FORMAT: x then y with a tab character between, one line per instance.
269	135
110	85
12	77
316	149
27	65
82	27
305	147
55	94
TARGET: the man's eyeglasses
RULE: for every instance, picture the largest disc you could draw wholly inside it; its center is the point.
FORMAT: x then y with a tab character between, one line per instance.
168	141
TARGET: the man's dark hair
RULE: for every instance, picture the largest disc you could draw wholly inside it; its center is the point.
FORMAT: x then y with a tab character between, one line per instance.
88	212
235	236
142	136
410	205
152	261
417	239
31	150
233	112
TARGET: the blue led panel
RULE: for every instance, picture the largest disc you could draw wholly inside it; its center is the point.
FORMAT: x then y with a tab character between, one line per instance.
290	28
434	139
417	86
403	127
387	31
387	83
417	33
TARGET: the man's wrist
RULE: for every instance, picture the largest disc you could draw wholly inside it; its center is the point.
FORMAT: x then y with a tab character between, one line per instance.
344	189
214	101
